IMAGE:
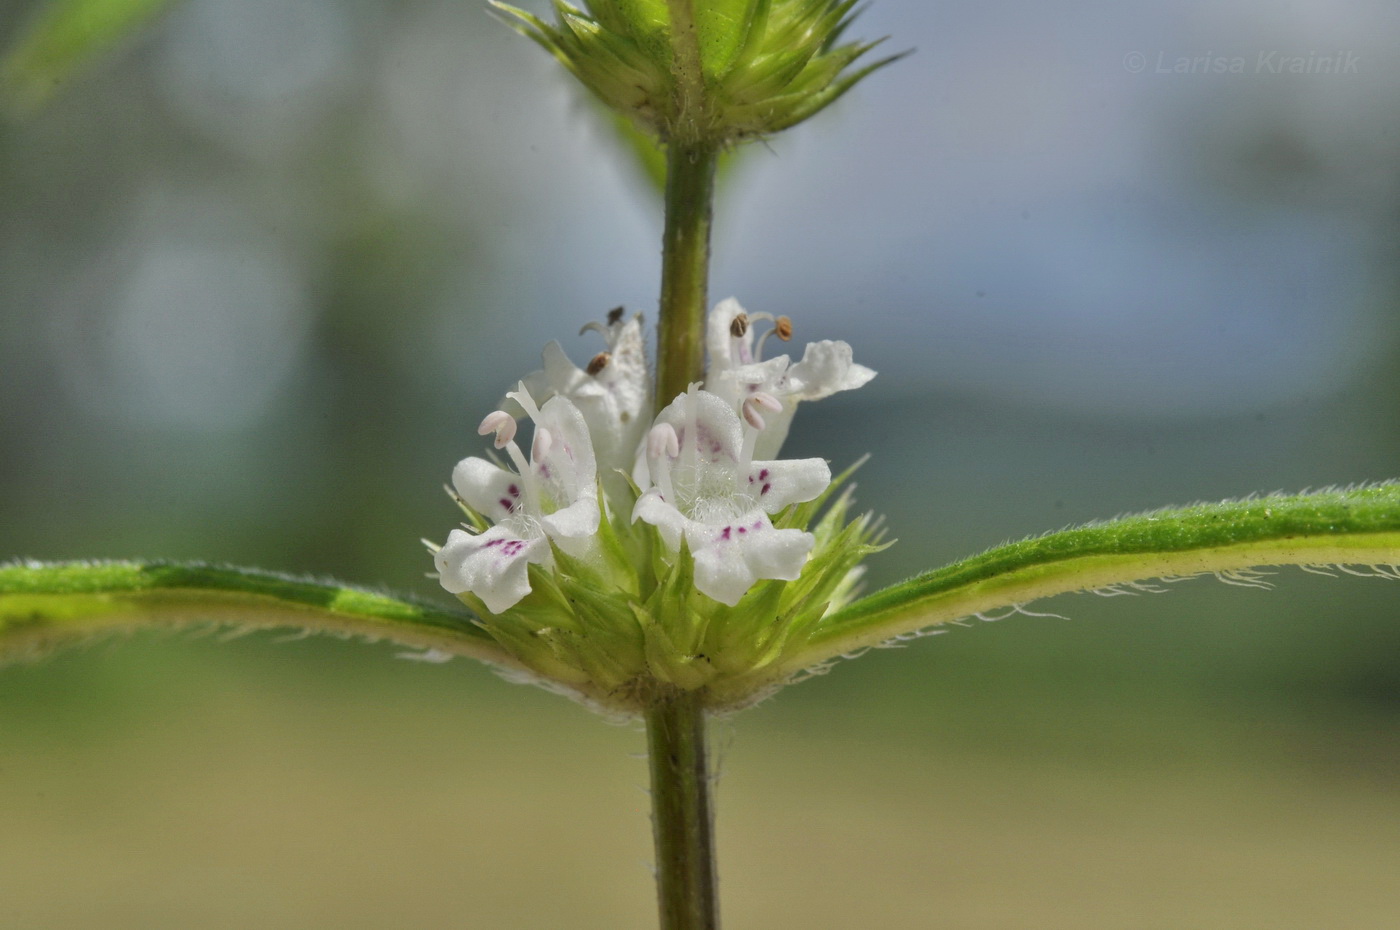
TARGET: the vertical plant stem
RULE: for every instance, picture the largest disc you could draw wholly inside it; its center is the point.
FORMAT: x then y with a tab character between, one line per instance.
682	818
685	267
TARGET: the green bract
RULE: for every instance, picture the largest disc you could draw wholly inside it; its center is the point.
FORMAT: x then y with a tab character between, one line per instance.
711	71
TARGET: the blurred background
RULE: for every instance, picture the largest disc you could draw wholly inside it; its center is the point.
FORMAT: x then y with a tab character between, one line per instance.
264	267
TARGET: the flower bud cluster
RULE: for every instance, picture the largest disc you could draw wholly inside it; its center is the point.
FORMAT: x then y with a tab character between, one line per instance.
628	553
705	71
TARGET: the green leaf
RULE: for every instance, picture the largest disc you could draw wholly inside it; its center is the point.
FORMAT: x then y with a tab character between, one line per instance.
1355	527
43	605
63	38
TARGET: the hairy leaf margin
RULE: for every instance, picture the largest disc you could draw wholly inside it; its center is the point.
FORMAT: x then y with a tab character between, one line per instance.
43	605
1333	527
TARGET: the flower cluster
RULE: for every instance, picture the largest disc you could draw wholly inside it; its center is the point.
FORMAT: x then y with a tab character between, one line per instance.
628	549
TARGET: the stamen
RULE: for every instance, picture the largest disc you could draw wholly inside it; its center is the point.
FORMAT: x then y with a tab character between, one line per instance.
662	441
751	414
615	315
500	423
745	456
760	400
530	491
527	477
766	401
739	325
543	443
599	362
782	328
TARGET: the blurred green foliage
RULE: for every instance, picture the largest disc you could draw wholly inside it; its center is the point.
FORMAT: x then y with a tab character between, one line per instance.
64	37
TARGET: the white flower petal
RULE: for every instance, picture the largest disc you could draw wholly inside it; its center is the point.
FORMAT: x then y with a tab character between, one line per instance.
777	484
738	384
560	376
826	368
718	435
555	496
731	557
652	508
574	525
625	376
735	373
725	350
487	488
493	565
770	441
777	553
613	401
567	466
716	499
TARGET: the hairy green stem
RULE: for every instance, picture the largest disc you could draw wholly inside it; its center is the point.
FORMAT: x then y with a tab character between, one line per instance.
682	818
685	267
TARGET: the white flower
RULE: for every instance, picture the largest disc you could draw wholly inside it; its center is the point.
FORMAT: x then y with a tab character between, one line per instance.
554	496
613	392
736	371
707	489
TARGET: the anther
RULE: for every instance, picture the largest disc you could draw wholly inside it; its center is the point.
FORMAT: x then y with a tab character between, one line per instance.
662	442
739	325
615	315
543	443
500	423
751	406
766	401
599	362
782	328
